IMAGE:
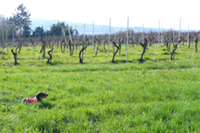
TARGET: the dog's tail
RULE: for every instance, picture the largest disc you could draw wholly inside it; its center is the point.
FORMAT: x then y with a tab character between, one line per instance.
23	100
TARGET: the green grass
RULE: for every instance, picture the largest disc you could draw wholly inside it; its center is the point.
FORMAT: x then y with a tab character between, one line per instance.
158	95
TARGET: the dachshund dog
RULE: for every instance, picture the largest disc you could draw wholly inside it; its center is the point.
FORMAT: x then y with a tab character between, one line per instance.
37	98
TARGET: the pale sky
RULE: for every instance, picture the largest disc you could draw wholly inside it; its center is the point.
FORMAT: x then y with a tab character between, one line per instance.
147	12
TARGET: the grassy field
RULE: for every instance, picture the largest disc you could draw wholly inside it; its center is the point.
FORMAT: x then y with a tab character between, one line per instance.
158	95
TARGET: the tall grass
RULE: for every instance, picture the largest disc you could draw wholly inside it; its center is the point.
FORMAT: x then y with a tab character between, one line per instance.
158	95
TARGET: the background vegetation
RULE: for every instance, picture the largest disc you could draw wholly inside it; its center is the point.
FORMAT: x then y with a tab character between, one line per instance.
158	95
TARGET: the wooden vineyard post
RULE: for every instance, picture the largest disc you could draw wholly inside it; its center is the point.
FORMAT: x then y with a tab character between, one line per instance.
93	37
7	38
179	37
70	37
3	40
13	36
64	36
127	40
109	37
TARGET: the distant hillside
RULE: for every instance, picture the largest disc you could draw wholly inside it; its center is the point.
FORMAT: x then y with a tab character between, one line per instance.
98	29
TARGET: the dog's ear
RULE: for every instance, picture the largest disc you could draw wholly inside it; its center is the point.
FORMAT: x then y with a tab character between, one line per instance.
38	93
38	96
41	95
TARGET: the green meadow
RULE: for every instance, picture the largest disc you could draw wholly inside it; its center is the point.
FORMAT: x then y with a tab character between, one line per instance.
156	95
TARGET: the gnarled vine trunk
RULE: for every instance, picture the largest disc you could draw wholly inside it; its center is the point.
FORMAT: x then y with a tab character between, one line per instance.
173	51
114	43
15	55
50	56
144	45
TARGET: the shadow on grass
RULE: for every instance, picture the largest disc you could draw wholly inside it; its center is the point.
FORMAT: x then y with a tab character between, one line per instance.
166	53
61	63
144	60
153	60
53	63
164	49
121	61
45	105
5	53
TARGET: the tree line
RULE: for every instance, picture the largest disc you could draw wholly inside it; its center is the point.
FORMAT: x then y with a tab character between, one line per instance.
20	24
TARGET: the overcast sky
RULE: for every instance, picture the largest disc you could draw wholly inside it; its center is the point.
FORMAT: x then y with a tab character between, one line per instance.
147	12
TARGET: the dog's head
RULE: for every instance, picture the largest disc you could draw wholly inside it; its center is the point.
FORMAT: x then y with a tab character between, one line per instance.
40	96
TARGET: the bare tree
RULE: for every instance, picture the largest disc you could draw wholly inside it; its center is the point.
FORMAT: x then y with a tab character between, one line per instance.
137	37
19	40
167	42
189	39
71	44
81	51
15	55
50	40
57	40
173	51
50	55
121	39
43	47
183	37
114	43
74	37
151	37
62	45
71	48
98	39
32	40
196	41
144	45
105	40
168	39
79	41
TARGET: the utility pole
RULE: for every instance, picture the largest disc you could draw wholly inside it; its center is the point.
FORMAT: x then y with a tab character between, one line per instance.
113	44
179	33
159	33
84	33
13	36
93	37
162	36
142	33
7	37
188	35
173	33
127	40
83	38
109	37
75	35
3	40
